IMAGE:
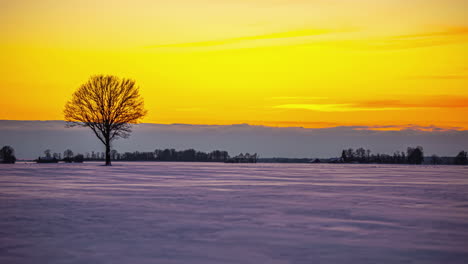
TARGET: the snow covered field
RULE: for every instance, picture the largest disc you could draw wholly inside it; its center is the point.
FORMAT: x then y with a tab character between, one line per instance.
233	213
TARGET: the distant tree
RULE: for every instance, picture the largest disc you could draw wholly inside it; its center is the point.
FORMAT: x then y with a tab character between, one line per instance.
47	154
243	158
436	160
361	154
461	158
49	157
57	156
201	156
350	155
188	155
415	155
218	155
68	155
7	155
114	154
78	158
182	155
108	105
344	157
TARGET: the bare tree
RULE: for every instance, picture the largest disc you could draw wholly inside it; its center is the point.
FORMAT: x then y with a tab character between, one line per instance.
48	154
108	105
68	155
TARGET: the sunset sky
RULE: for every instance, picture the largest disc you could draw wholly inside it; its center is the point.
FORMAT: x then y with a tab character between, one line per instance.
386	64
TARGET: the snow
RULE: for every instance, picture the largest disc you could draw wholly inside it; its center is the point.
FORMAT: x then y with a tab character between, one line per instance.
233	213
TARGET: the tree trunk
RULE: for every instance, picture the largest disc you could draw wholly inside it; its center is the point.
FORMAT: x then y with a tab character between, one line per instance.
108	159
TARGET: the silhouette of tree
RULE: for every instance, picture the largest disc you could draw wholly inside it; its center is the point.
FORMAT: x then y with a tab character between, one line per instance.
436	160
344	157
57	156
114	154
350	154
48	157
7	155
461	158
47	154
68	155
108	105
415	155
361	154
78	158
241	158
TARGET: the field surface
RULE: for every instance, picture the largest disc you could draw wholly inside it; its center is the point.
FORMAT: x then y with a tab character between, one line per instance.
233	213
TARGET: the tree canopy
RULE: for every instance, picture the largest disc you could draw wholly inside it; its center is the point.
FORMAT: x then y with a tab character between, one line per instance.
108	105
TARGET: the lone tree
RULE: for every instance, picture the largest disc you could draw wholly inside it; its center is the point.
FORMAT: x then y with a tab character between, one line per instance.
108	105
7	155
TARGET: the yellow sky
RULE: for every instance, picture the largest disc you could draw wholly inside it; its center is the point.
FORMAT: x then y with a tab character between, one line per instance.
315	63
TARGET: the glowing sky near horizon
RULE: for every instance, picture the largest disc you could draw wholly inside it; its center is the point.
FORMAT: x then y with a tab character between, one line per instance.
304	63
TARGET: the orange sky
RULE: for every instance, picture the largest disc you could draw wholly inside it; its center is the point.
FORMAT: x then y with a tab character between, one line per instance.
304	63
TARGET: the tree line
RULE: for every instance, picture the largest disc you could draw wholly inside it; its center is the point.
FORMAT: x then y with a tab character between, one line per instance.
189	155
68	157
157	155
172	155
413	155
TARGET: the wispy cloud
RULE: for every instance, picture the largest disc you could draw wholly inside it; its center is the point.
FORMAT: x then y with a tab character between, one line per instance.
430	128
447	36
270	36
451	31
334	107
188	109
439	77
279	98
441	101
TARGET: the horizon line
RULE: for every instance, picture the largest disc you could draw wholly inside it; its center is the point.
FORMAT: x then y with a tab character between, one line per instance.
392	127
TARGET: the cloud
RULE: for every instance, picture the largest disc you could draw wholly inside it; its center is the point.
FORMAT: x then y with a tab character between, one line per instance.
301	124
333	107
421	40
447	36
441	101
280	98
451	31
431	128
189	109
439	77
436	101
270	36
301	37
